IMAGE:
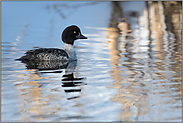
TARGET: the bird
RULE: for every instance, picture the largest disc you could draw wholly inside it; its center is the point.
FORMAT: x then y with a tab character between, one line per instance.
69	35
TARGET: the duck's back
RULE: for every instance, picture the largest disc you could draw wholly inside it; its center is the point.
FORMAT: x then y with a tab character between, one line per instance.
45	54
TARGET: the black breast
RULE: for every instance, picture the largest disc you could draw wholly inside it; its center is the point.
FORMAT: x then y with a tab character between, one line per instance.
45	54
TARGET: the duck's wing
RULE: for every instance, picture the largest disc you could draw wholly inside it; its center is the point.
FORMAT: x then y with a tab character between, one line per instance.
45	54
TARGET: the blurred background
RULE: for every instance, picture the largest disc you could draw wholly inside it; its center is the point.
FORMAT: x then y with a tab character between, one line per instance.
129	68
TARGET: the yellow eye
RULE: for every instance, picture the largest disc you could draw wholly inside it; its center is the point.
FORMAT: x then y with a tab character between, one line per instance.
74	31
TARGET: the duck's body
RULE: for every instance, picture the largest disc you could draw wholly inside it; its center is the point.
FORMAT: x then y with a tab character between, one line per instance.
69	35
46	54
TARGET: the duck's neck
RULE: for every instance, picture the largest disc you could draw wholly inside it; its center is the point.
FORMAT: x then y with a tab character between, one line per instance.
71	51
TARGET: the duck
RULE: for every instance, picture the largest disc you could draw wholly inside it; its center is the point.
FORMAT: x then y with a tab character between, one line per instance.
69	35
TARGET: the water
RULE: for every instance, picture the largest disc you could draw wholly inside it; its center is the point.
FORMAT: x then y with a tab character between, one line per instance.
127	70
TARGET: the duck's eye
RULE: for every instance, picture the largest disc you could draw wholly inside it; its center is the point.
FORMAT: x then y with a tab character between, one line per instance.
74	31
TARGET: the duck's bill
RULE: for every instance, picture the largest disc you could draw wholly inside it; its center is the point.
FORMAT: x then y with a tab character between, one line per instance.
80	36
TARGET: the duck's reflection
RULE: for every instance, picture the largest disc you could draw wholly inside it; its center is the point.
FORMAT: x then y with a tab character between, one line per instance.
70	83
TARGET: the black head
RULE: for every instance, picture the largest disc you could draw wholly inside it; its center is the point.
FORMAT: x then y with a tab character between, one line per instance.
72	33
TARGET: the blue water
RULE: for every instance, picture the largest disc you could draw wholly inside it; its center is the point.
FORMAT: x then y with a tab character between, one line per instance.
116	78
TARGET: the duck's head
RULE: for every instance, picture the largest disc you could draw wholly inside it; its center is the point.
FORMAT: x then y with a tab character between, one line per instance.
72	33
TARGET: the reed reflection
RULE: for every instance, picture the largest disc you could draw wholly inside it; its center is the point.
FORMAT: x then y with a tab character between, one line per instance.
117	48
39	102
133	92
168	43
60	8
146	68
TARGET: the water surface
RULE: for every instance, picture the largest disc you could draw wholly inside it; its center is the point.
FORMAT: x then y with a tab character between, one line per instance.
129	68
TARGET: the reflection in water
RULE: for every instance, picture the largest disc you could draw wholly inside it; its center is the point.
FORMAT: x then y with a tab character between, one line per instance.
139	67
70	81
60	8
133	75
125	93
39	104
